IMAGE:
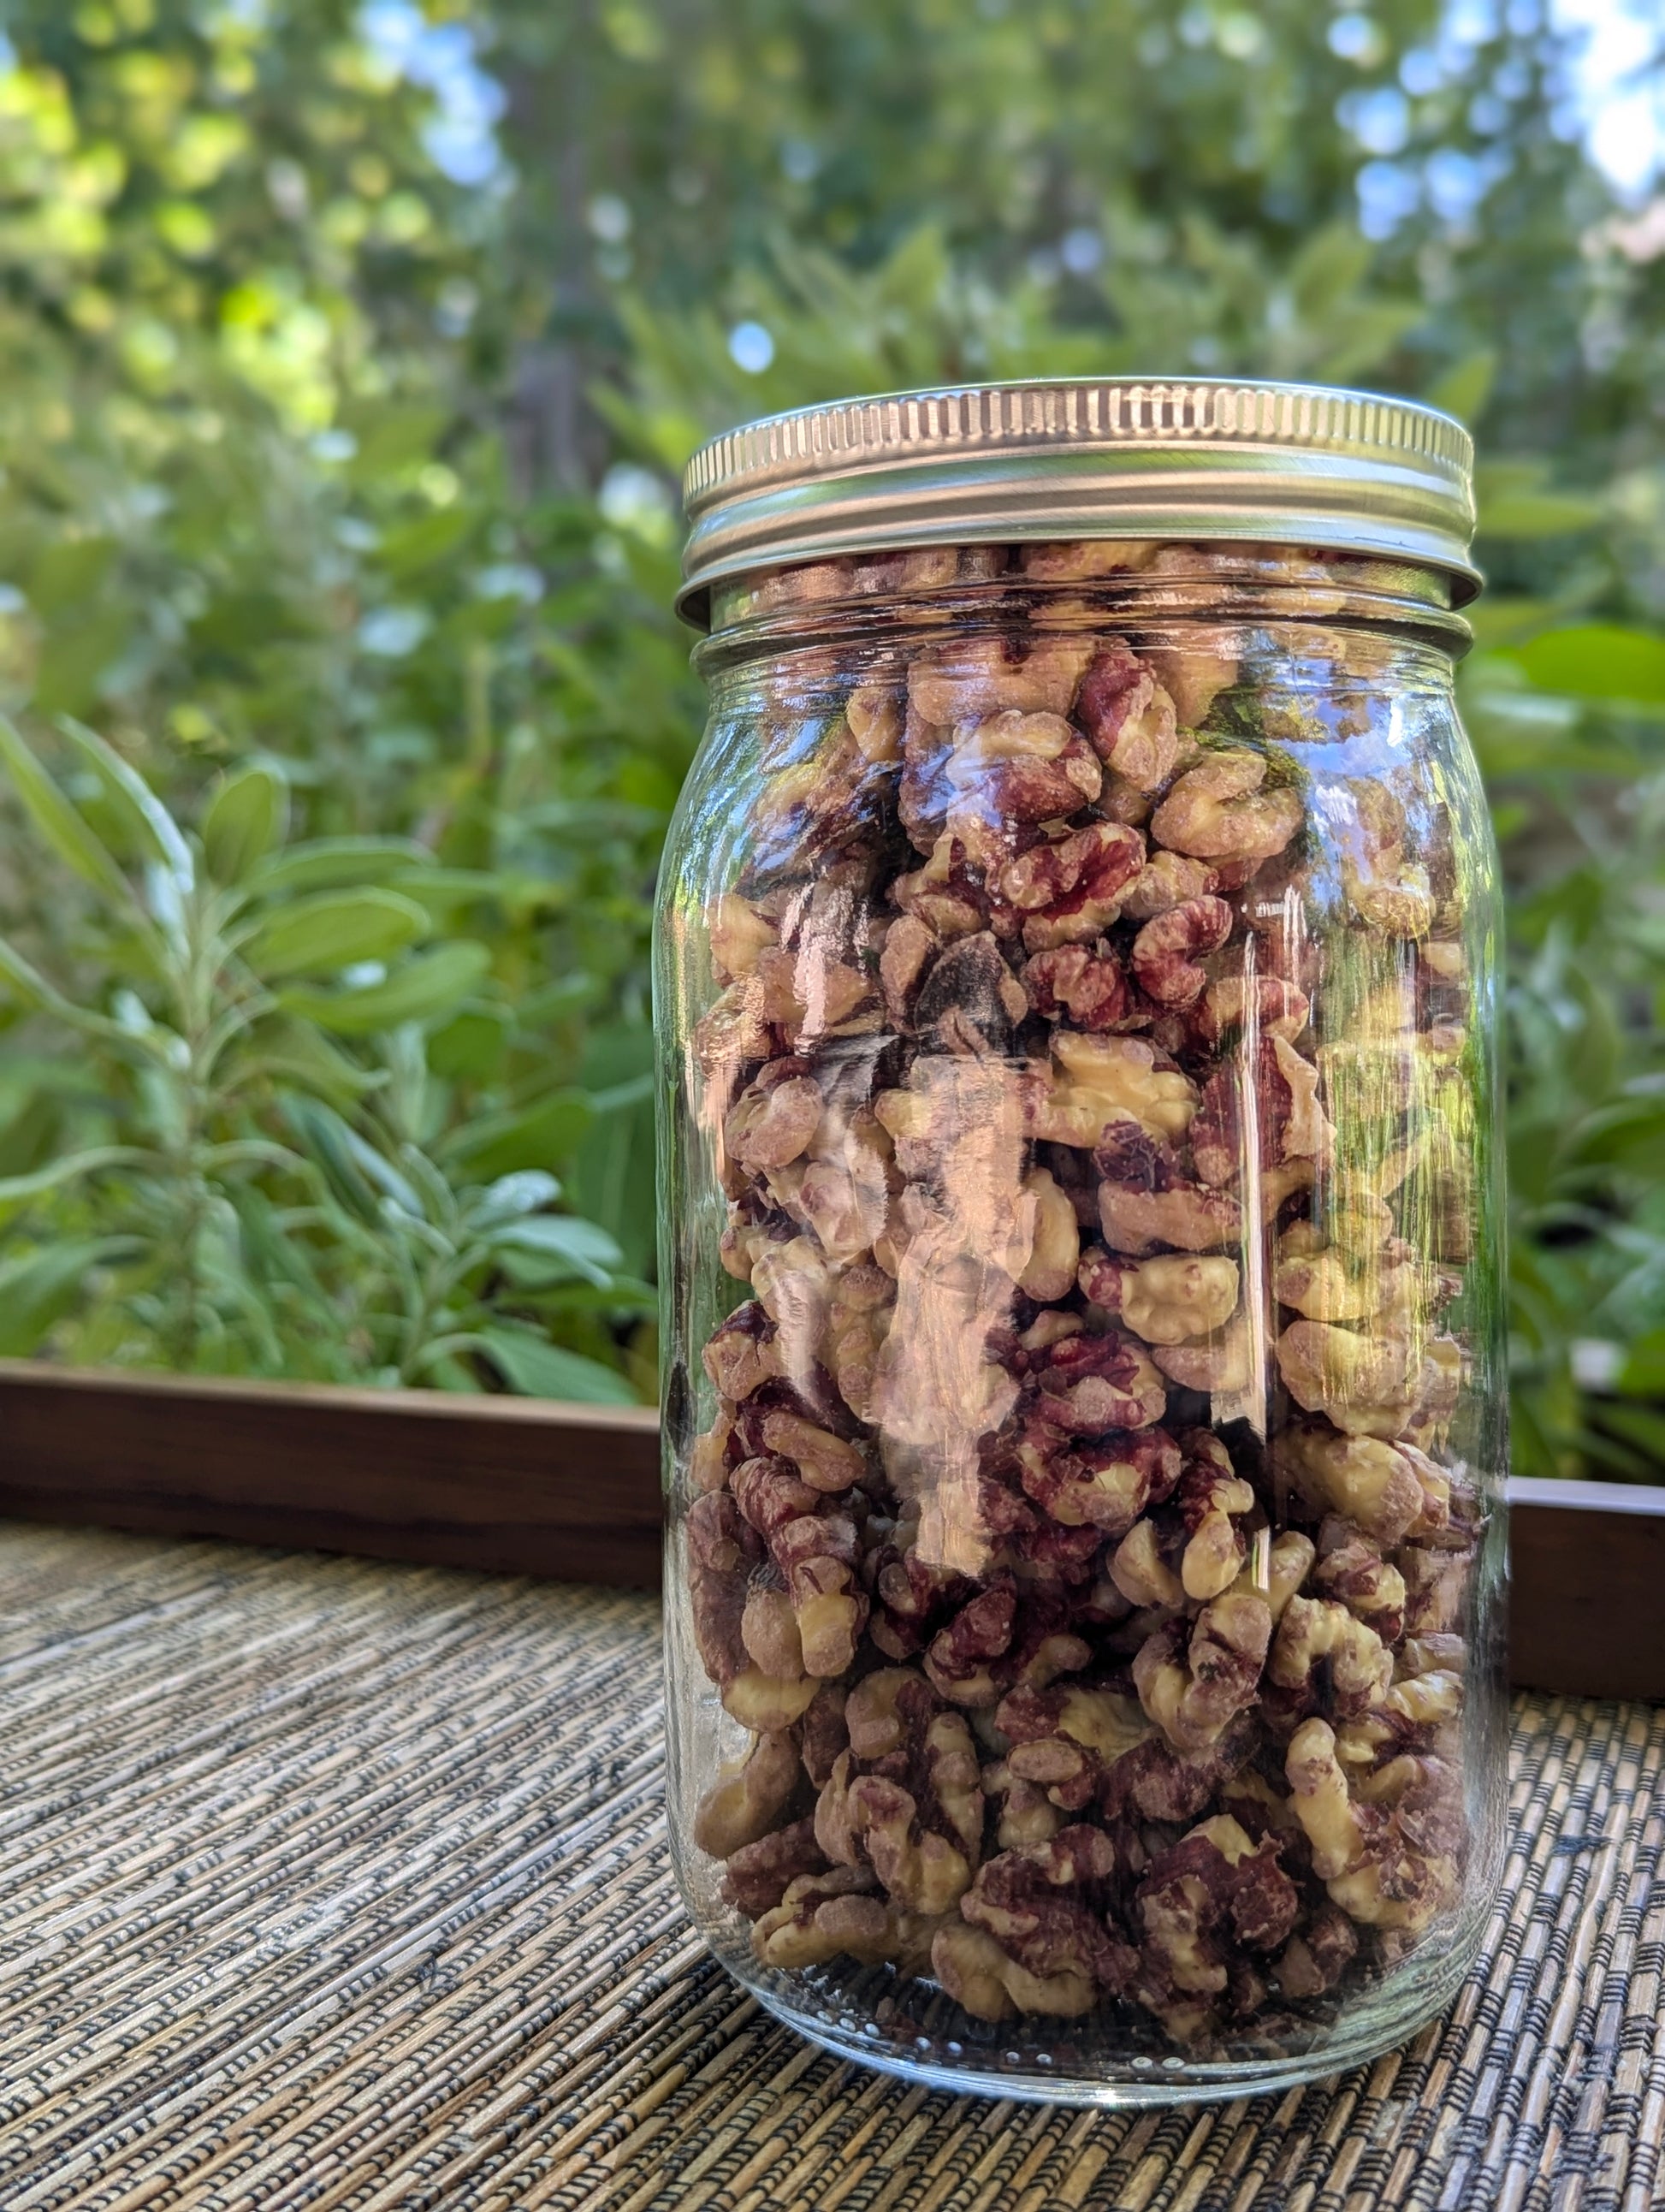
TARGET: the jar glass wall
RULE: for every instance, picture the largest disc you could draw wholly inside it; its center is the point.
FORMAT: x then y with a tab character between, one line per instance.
1084	1413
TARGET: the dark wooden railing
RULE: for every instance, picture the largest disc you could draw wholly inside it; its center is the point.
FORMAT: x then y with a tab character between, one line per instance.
528	1486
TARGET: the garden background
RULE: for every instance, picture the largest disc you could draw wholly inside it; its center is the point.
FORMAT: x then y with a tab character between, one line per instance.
350	356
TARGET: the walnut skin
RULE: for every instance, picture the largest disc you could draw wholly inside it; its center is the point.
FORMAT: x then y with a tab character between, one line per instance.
1075	1531
1192	1685
911	1595
1266	1003
906	1797
980	677
980	1977
1086	1385
1415	1715
773	1119
1317	1956
1129	718
1288	1123
1086	985
1154	1781
1036	1902
1213	1890
1196	673
1104	1484
1097	1083
1387	892
1032	1940
997	1641
747	1801
1049	1270
1167	1300
1351	1569
741	1355
757	1876
1356	1666
1221	1362
1219	811
842	1914
1164	953
1069	892
813	1546
1066	1740
722	1551
1364	1479
1392	1864
1146	1199
1167	880
1212	1497
1025	1814
1365	1384
1070	561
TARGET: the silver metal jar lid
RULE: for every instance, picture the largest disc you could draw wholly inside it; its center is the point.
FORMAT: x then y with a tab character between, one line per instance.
1188	459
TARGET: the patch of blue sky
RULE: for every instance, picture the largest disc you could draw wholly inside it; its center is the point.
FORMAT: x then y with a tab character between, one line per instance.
461	134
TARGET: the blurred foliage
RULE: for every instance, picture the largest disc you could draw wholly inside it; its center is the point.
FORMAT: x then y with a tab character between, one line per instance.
290	1144
352	352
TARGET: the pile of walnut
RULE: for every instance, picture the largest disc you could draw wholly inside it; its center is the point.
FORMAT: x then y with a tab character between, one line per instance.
1064	1686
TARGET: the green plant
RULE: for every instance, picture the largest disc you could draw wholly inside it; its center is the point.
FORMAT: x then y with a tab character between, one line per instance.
284	1126
1568	721
310	462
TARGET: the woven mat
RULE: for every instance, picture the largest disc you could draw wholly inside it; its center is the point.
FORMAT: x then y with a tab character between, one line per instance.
334	1885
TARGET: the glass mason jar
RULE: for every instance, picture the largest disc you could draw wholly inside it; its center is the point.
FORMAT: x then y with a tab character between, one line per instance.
1085	1409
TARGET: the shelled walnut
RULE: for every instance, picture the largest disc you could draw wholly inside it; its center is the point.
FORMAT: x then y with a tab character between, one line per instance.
1074	1526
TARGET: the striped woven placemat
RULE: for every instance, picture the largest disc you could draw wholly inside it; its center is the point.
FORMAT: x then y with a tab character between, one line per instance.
335	1885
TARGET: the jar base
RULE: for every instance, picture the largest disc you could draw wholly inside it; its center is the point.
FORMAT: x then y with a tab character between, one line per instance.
911	2030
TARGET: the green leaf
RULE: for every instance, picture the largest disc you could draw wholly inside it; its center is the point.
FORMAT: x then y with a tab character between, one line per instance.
297	1053
30	988
31	1126
40	1288
393	436
320	936
471	1045
582	1247
532	1137
535	1369
59	821
616	1056
1641	1425
354	1166
1516	500
1537	514
612	1175
152	825
245	819
513	1196
69	572
427	985
1597	660
328	1142
1629	1131
17	1190
445	1372
245	1153
444	888
1643	1375
1505	619
1464	389
623	1297
559	1001
405	552
333	863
